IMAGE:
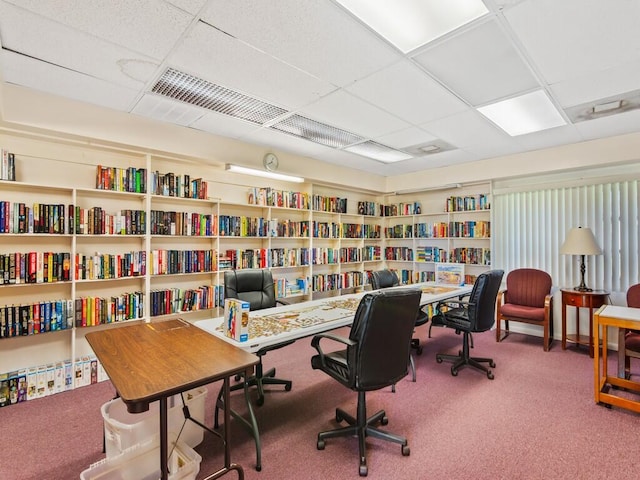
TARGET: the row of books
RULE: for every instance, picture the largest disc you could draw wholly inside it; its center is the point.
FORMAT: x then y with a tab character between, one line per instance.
431	254
129	179
91	311
35	318
398	253
167	262
456	229
336	281
182	186
288	228
329	204
96	221
242	226
411	208
371	253
471	256
7	165
40	381
468	203
183	223
271	197
288	257
176	300
102	266
18	217
34	267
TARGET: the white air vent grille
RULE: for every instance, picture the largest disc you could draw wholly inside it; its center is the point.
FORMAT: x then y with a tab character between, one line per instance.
195	91
316	132
378	152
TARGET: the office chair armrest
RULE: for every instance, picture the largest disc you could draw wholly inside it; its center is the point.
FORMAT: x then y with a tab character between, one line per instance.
452	304
315	342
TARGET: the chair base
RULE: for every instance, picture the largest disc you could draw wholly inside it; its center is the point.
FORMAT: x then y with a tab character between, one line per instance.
363	427
463	359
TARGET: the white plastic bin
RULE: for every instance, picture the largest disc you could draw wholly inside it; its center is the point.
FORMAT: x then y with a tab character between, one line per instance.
142	462
123	430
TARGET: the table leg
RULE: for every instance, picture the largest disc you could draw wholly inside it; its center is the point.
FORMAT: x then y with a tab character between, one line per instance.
591	343
564	326
164	447
596	365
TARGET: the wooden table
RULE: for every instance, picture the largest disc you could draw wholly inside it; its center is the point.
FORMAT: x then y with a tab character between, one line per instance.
575	298
620	317
153	361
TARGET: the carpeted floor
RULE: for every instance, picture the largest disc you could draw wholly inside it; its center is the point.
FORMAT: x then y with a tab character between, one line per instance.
536	420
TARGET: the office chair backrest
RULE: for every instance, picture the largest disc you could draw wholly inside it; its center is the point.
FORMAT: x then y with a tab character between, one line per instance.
382	329
633	296
383	279
251	285
483	300
528	287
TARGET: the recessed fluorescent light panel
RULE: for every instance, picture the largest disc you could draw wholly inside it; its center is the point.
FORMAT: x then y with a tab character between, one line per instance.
409	24
378	152
263	173
317	132
527	113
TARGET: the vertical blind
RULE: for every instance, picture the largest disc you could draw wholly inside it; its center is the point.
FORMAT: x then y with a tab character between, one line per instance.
530	227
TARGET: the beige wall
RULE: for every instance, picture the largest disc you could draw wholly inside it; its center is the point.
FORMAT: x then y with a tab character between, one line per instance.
24	108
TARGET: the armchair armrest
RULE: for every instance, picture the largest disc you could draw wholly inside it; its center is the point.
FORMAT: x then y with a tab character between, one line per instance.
315	342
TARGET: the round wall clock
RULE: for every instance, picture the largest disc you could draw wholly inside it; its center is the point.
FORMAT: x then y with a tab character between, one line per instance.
270	162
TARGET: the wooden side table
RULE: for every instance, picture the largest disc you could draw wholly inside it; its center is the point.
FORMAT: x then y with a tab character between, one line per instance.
574	298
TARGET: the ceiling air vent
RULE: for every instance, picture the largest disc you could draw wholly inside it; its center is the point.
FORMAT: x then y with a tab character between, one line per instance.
604	107
316	132
195	91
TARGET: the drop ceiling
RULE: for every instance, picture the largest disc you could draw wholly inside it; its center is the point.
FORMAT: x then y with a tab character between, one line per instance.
310	78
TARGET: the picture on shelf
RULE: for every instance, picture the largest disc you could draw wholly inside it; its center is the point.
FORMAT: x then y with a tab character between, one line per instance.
449	274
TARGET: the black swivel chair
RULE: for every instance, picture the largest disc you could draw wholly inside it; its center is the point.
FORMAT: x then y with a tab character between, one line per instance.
385	279
256	287
475	315
375	357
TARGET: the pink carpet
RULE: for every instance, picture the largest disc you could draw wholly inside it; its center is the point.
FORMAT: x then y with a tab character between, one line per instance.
536	420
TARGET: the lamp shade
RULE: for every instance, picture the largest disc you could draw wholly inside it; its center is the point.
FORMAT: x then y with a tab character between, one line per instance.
580	241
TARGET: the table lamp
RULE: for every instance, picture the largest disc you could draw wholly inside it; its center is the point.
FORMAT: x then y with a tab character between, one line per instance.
580	241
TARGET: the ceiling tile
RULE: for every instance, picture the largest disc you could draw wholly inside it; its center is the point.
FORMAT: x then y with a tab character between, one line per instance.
285	142
406	91
498	69
49	78
405	138
150	27
58	44
345	111
465	129
211	55
550	137
609	126
315	36
159	108
224	125
190	6
570	38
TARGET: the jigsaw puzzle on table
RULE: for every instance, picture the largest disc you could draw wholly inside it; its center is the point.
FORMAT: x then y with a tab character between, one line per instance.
434	290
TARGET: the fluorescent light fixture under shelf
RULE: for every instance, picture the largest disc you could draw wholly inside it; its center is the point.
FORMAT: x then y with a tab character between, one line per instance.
409	24
263	173
528	113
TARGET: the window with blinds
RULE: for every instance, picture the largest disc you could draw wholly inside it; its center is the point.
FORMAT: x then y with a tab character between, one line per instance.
530	227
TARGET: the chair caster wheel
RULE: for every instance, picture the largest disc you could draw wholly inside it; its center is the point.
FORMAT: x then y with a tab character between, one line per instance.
406	451
287	387
384	420
492	364
363	470
338	417
490	375
320	445
237	378
454	372
260	401
419	351
258	468
438	359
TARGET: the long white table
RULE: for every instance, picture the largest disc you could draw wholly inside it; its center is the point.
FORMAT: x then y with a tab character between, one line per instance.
272	326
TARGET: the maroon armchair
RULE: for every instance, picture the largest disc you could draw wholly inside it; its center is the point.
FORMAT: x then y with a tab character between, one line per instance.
527	299
629	340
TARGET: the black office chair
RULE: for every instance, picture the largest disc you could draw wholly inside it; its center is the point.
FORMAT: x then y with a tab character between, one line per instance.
375	357
475	315
385	279
256	287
